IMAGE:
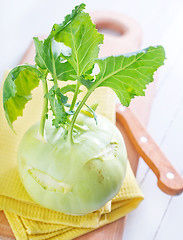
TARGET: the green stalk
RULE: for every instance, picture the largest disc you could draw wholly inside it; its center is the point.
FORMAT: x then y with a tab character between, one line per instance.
75	96
56	83
76	114
54	77
45	108
53	65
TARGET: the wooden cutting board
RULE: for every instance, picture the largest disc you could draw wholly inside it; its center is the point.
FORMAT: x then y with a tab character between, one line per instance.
122	35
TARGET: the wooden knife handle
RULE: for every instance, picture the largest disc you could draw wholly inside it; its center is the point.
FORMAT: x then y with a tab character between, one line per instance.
169	180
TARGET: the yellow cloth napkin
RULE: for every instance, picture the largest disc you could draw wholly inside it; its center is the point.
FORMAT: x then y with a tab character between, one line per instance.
27	219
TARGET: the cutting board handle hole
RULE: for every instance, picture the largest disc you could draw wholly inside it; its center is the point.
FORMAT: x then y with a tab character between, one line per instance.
111	28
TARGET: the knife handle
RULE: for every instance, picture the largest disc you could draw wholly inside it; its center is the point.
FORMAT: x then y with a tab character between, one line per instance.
168	179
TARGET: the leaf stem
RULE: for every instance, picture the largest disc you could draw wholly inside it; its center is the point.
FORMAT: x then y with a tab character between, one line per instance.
54	69
45	108
75	96
54	75
70	133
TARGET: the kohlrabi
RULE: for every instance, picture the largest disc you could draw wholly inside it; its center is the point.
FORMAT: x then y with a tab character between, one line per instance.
73	160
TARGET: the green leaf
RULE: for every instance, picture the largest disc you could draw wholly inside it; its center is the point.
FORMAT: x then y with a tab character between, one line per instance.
61	115
57	99
48	52
48	57
59	27
129	75
60	96
64	71
51	97
17	90
51	54
86	81
82	37
69	88
40	55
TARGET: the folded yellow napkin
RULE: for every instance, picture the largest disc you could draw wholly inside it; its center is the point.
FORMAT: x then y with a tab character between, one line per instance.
27	219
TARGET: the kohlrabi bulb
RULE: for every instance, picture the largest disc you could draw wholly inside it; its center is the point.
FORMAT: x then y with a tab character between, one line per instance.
73	178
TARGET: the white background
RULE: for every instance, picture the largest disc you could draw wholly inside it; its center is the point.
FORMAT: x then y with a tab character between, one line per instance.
160	216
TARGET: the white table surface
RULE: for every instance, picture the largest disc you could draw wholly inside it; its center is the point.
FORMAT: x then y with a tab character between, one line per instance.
159	216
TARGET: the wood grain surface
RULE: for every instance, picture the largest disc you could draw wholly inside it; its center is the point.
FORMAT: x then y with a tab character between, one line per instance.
128	39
